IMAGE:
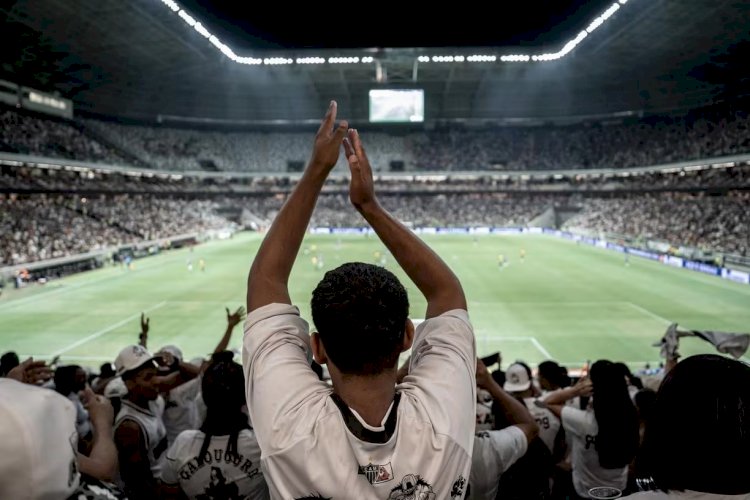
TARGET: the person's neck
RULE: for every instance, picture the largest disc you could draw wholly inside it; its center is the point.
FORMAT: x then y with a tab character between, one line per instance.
370	396
223	424
139	401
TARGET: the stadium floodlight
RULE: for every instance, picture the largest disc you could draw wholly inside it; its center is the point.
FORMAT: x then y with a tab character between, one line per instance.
277	61
273	61
172	5
515	58
310	60
481	58
187	17
343	60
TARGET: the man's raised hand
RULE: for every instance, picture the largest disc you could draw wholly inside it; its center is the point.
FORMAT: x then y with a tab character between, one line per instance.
327	141
361	186
31	372
233	319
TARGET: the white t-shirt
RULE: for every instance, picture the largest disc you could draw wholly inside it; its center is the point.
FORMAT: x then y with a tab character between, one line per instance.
220	475
313	445
152	428
181	409
684	495
581	430
549	424
494	453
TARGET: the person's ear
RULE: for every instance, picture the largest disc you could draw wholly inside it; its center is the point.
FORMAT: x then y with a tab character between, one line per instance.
318	349
408	336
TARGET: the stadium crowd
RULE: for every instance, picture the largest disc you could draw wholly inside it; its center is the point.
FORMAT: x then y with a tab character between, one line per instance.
440	426
43	227
650	141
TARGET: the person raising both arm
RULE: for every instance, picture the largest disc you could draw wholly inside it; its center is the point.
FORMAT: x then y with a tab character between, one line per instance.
366	437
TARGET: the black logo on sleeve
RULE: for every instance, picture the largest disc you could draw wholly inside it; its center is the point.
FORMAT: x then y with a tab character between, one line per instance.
412	487
376	474
458	487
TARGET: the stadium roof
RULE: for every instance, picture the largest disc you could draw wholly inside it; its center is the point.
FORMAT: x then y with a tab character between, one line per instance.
139	59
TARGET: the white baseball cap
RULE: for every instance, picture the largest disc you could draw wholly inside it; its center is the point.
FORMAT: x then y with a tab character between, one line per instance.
516	378
39	441
173	350
132	357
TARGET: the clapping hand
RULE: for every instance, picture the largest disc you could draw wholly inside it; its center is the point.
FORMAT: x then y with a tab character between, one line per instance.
327	141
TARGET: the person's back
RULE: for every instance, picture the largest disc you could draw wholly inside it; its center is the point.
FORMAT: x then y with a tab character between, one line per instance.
698	435
366	438
222	459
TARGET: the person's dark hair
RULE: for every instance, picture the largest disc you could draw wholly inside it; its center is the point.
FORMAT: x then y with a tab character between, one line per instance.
8	361
107	370
223	389
699	436
360	311
634	381
645	403
557	375
65	379
618	438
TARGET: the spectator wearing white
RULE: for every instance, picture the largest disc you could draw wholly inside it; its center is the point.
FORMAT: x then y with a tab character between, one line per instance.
496	451
69	381
222	459
365	437
699	432
39	459
139	429
519	383
604	440
180	410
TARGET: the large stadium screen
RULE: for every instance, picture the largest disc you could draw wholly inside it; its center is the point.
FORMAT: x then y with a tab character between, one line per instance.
396	106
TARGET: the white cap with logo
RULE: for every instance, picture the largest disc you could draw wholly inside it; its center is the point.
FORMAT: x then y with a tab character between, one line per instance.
39	439
516	378
132	357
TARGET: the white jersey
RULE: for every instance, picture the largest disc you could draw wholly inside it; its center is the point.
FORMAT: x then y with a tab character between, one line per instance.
494	453
549	424
219	475
152	428
581	430
181	409
315	446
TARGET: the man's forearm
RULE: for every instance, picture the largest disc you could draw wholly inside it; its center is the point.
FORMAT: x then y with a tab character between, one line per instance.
102	461
270	271
432	276
515	413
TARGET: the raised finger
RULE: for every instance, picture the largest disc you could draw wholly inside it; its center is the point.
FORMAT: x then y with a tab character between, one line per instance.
327	124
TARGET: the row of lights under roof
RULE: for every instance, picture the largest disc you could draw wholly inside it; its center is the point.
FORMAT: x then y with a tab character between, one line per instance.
277	61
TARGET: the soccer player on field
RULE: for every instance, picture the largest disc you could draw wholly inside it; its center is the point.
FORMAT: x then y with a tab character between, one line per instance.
523	254
366	437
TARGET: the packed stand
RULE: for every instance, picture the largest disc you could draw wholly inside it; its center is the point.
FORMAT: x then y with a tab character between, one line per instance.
698	220
41	227
25	133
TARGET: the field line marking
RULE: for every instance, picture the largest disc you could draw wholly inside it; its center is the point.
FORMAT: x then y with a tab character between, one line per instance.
108	329
540	347
645	311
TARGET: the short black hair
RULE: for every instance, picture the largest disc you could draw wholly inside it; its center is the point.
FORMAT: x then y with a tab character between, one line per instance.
554	373
699	435
360	311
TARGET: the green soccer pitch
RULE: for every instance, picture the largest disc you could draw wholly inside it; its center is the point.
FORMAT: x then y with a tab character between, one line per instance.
565	301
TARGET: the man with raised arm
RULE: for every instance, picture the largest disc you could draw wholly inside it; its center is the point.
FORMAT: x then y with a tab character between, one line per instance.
367	438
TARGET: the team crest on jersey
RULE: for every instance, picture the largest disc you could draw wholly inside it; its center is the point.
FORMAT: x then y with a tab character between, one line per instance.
376	474
412	487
